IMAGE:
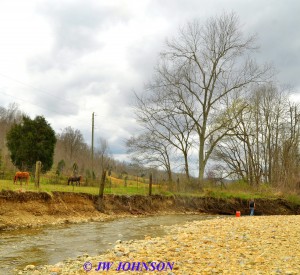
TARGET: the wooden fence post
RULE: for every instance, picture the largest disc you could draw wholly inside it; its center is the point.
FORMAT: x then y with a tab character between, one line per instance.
150	184
101	192
38	166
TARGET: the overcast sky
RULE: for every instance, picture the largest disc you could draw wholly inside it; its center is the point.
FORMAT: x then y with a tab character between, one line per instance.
66	59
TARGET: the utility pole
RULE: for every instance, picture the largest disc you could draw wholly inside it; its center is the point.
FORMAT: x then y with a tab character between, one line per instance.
93	118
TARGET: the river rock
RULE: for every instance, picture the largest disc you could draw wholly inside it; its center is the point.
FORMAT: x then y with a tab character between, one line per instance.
55	270
29	267
119	254
219	246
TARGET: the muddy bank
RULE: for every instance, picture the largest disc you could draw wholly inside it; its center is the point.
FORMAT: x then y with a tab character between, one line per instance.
28	209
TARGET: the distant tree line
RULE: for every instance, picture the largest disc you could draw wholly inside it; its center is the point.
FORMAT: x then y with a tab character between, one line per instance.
8	117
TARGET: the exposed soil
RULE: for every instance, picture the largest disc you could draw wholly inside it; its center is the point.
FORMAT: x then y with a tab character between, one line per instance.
31	209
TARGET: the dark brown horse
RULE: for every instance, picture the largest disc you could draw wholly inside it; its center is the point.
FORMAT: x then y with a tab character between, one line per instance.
20	176
74	179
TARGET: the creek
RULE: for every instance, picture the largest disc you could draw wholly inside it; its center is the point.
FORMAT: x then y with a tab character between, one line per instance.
52	244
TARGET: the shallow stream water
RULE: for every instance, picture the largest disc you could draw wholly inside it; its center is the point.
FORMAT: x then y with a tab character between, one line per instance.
49	245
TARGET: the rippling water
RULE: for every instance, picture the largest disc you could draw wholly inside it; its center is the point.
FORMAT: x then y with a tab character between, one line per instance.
49	245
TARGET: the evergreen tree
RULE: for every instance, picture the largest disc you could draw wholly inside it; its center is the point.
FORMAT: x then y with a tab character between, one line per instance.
30	141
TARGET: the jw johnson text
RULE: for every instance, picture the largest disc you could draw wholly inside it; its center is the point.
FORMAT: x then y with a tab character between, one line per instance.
130	266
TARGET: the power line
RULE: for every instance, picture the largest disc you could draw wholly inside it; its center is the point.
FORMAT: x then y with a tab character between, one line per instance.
43	92
34	88
29	102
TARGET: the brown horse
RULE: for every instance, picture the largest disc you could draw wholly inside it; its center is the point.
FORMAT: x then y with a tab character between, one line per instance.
20	176
74	179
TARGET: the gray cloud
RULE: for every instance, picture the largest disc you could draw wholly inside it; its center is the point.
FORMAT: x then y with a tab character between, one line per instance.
76	27
81	79
76	23
279	39
275	22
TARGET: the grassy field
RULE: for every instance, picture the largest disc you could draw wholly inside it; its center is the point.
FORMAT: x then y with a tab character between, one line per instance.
113	186
116	186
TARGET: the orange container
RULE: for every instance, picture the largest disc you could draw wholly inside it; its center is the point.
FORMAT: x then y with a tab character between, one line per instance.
237	213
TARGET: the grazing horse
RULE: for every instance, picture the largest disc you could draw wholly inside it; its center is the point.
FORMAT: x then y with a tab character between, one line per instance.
21	175
74	179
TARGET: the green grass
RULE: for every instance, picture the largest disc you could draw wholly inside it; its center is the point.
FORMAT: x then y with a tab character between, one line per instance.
244	191
235	190
141	189
293	198
240	190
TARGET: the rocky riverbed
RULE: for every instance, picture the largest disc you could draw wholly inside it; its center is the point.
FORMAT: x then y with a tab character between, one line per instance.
245	245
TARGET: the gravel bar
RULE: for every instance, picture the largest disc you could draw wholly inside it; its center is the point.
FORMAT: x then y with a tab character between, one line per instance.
229	245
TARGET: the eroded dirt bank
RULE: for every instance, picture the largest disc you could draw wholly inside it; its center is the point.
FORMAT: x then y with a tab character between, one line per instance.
29	209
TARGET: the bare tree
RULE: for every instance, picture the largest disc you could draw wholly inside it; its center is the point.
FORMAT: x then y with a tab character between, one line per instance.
262	145
8	117
147	149
289	153
157	116
73	142
200	70
103	154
